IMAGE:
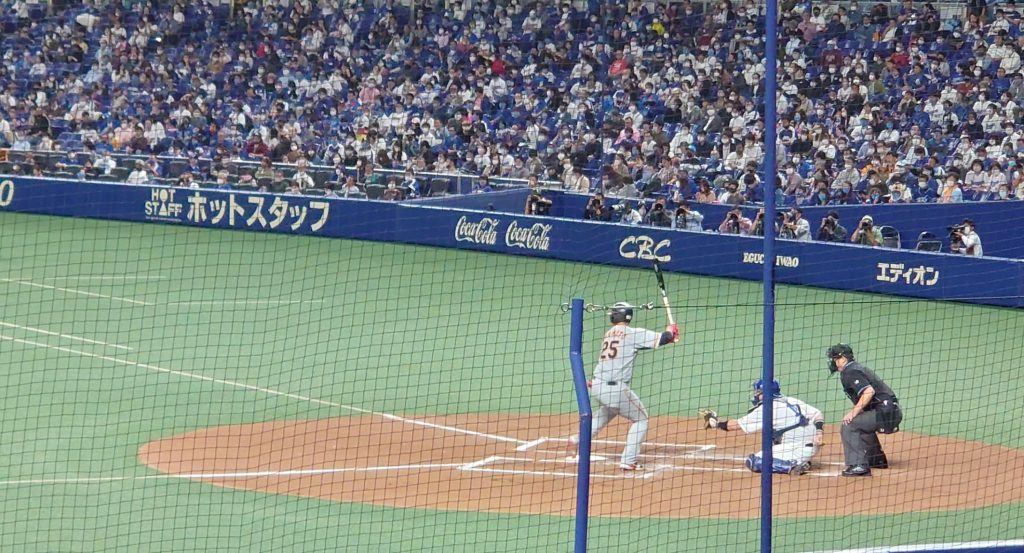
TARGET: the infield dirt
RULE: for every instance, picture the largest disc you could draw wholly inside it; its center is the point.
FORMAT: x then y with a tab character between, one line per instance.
691	472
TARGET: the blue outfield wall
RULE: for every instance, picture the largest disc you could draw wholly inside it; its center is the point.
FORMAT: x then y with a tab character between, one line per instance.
845	267
1000	224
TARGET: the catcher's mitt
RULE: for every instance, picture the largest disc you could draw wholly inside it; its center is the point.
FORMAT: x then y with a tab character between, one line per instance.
710	417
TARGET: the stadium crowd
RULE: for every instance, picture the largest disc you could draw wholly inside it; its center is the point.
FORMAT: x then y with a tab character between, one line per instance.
886	102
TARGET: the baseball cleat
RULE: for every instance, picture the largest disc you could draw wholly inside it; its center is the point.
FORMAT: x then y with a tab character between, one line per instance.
800	470
631	466
857	470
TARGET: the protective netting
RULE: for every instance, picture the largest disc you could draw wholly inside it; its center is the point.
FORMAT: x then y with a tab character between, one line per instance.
170	388
954	466
952	476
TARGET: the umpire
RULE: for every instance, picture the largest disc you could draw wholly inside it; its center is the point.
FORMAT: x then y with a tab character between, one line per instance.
875	410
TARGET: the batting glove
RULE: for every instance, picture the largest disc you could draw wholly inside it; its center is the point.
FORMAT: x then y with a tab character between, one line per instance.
674	329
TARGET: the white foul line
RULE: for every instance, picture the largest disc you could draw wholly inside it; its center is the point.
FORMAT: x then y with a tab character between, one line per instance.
270	391
225	475
107	277
531	445
480	463
455	429
550	473
241	302
959	546
699	447
68	336
73	291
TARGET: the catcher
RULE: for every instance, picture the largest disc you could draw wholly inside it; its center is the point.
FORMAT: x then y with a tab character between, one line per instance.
797	430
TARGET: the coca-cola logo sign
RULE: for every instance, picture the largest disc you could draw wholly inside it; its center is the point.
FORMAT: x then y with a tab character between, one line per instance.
533	237
484	231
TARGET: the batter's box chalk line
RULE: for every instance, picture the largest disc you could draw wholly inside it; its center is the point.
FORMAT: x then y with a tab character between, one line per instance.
684	452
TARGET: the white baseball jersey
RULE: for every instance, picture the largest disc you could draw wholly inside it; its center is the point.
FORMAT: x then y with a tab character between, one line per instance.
786	412
618	350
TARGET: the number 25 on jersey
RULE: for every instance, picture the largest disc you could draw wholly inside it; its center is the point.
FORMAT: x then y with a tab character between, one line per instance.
609	349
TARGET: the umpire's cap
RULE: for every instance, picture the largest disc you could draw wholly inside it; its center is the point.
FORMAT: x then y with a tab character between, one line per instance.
840	350
835	352
621	312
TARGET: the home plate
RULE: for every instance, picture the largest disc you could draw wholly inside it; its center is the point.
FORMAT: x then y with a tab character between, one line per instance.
575	458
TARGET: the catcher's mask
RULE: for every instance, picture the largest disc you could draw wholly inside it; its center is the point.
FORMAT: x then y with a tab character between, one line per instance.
835	352
621	312
759	388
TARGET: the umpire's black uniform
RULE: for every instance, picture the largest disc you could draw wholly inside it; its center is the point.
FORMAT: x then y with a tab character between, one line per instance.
861	447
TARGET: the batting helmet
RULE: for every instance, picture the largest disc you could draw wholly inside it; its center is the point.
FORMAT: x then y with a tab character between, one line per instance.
835	352
621	312
775	389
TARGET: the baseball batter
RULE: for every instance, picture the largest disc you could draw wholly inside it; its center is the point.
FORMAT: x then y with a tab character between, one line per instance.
797	430
613	374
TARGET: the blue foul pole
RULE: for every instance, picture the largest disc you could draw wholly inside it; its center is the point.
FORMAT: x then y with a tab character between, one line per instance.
770	174
579	379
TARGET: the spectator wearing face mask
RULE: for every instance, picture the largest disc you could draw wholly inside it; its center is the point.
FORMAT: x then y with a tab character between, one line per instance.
875	196
848	175
574	180
411	185
898	193
995	179
951	193
889	133
976	180
843	195
820	195
924	192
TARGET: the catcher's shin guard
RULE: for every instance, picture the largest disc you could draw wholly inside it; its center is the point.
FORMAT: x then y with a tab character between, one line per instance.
753	463
779	466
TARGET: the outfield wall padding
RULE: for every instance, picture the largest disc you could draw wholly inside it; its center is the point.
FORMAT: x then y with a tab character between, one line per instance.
990	281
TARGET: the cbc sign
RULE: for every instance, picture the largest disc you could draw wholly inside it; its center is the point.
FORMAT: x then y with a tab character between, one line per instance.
644	247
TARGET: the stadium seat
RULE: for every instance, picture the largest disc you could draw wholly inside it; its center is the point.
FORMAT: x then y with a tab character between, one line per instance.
928	242
375	191
890	236
438	187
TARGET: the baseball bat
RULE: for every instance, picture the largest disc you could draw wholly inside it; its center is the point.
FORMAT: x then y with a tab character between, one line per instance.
664	294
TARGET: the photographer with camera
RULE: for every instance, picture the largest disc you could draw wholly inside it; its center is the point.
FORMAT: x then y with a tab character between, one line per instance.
758	228
735	223
794	226
963	239
688	219
596	209
658	216
628	213
830	229
536	204
866	233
